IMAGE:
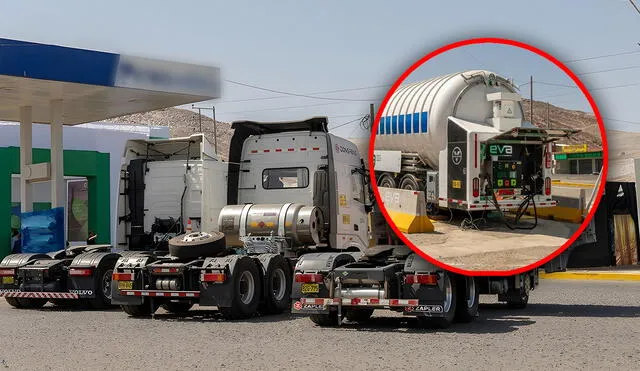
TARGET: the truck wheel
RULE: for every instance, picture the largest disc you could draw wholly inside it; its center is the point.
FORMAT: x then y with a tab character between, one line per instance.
468	298
14	302
386	180
143	310
449	306
359	315
197	244
325	320
246	291
177	307
409	182
277	286
102	284
32	303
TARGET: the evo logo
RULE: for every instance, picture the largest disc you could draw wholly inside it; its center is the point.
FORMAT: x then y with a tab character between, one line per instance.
500	150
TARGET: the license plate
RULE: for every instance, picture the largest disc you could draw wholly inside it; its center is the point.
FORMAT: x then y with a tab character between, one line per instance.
7	280
310	288
125	285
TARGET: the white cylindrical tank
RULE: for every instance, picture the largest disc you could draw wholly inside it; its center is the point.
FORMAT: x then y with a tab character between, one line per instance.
415	118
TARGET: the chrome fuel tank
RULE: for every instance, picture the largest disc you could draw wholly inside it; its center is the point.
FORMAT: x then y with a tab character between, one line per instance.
304	225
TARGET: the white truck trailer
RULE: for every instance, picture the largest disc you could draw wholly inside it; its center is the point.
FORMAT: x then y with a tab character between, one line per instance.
461	138
284	224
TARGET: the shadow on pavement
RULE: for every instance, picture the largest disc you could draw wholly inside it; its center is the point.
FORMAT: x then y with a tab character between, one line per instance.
565	310
74	308
198	315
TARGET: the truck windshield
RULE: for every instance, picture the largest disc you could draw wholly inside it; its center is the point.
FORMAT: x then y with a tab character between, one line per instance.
293	177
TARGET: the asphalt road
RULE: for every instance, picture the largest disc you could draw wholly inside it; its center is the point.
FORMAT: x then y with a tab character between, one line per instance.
568	325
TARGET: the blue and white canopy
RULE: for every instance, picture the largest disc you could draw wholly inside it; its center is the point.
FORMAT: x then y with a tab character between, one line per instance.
95	85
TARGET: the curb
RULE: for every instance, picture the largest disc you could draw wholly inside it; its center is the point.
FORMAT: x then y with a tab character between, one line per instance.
572	184
586	275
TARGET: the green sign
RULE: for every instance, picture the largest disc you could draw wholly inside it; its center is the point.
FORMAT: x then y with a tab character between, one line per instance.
576	156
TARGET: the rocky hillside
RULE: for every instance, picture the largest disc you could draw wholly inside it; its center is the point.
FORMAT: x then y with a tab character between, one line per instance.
562	118
184	122
181	123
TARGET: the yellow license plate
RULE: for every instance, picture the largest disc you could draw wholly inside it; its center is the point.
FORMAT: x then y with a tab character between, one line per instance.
7	280
125	285
310	288
456	184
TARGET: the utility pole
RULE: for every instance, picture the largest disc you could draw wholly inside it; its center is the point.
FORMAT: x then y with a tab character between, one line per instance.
215	124
531	100
371	116
548	122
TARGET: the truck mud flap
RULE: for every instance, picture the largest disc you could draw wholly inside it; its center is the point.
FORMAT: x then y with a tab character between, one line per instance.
134	261
85	285
219	294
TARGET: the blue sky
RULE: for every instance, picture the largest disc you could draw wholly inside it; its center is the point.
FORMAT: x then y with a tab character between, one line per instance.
317	46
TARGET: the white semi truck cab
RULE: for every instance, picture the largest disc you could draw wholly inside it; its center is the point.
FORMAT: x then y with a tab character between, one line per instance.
227	234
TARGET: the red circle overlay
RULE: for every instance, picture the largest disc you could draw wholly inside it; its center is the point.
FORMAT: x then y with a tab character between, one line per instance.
559	65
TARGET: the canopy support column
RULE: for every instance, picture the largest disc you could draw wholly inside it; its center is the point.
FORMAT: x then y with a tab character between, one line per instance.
26	130
58	190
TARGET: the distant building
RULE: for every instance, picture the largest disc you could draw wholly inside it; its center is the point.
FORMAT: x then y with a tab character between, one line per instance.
577	159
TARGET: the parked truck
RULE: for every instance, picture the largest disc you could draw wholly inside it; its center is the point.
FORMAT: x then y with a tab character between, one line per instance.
75	276
287	222
288	189
462	139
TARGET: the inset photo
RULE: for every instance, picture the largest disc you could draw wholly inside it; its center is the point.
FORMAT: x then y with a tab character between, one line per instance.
488	156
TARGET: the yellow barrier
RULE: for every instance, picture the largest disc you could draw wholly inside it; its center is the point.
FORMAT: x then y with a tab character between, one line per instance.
407	209
561	213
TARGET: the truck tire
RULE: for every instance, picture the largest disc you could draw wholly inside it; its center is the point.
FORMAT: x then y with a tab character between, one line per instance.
14	302
278	283
102	285
32	303
197	244
359	315
449	304
468	299
246	291
387	180
325	320
410	182
177	307
142	310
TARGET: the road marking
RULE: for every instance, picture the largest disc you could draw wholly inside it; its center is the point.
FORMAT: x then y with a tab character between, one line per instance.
591	275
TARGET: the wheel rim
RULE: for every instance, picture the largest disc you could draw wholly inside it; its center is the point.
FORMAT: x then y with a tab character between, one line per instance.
196	236
278	284
106	284
247	287
448	294
471	292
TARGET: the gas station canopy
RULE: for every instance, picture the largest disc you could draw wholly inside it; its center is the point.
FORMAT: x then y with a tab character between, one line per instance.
94	85
59	86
